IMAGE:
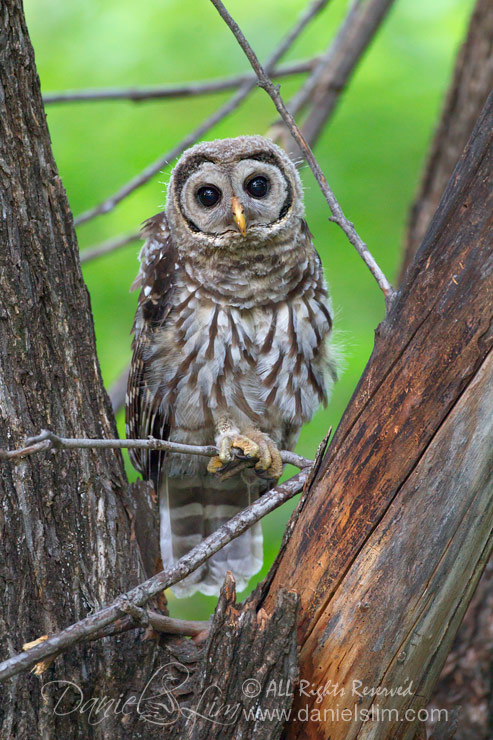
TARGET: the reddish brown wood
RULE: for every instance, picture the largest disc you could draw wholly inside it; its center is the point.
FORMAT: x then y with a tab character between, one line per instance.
467	676
427	354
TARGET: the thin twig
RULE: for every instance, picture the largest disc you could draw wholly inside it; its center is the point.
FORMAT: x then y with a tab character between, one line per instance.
158	622
109	203
108	246
191	89
322	90
338	216
140	595
49	440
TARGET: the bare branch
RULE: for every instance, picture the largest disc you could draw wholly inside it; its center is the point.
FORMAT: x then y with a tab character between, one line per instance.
108	246
49	440
109	203
338	216
159	92
351	43
86	628
147	617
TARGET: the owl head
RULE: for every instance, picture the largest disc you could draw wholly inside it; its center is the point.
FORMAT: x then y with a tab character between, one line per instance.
232	192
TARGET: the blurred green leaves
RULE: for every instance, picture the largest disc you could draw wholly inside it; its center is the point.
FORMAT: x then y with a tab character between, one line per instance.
372	151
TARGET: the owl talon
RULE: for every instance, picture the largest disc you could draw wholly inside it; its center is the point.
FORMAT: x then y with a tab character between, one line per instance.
247	446
254	446
215	465
233	450
269	465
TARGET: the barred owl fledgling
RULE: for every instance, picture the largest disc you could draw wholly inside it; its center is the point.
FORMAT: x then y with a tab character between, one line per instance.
230	343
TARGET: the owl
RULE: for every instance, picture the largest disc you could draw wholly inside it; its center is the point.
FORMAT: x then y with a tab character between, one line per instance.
230	345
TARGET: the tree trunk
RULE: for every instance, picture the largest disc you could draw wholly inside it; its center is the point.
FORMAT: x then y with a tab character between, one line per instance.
388	544
65	543
466	679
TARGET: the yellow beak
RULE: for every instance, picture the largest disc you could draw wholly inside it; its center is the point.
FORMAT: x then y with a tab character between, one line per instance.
239	215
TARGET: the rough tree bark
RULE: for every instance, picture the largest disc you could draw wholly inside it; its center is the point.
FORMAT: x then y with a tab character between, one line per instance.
65	536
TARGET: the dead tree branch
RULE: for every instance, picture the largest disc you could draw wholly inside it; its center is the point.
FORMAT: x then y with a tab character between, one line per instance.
140	595
109	203
338	216
136	616
162	92
47	440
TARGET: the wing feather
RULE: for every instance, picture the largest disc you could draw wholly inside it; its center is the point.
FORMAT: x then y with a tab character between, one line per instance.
144	412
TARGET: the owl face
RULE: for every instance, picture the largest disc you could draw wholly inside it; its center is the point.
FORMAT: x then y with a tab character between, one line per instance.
233	191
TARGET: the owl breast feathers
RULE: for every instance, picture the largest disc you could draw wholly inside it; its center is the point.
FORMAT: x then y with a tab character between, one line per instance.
230	344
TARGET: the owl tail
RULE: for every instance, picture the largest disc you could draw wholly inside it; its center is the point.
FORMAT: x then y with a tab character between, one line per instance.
190	510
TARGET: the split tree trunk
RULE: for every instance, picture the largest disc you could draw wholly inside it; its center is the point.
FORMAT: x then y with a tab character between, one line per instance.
467	677
388	545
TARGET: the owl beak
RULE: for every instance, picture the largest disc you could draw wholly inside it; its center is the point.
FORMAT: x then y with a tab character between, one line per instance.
239	215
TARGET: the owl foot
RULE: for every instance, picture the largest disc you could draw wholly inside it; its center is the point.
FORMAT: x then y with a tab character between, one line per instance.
239	448
269	464
232	449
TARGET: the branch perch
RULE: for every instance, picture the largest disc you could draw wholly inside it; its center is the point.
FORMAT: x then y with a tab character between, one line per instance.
49	440
338	216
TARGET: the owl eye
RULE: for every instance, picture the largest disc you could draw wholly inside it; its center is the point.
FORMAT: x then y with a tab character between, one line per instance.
257	187
208	196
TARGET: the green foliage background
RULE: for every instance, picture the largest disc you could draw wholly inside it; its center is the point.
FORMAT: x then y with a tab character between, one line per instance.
372	151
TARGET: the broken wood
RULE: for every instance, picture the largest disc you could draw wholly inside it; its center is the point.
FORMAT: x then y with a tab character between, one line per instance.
414	446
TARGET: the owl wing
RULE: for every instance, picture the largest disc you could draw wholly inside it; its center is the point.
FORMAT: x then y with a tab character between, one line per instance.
144	414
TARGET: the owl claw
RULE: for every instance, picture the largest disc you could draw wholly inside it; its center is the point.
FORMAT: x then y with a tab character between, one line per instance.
215	465
231	450
252	446
247	446
269	465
